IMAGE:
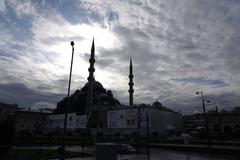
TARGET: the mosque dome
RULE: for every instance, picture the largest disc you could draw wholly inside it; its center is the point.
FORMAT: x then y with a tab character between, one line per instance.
157	104
97	87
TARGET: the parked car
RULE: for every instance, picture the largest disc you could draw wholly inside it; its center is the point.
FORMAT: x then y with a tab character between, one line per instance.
126	149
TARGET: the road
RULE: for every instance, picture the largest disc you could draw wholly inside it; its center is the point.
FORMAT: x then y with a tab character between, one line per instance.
155	154
158	154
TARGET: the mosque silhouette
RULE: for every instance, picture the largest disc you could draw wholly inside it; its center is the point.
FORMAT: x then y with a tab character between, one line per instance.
92	96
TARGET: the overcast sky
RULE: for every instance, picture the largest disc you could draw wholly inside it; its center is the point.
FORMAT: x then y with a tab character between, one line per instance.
178	47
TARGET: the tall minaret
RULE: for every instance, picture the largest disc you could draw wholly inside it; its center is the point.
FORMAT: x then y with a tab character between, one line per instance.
91	70
130	84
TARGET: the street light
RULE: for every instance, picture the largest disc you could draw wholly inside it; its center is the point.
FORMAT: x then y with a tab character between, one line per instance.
205	116
62	149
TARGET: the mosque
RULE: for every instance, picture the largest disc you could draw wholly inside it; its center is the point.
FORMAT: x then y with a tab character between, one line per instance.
95	107
92	96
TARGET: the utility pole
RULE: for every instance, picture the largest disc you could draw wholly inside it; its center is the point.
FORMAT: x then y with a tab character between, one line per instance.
148	150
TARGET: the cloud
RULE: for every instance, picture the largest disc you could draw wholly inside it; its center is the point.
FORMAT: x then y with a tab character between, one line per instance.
203	81
168	41
2	7
22	95
177	46
40	59
21	9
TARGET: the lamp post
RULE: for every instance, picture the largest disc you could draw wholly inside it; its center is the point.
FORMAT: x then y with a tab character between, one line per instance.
66	105
205	116
148	149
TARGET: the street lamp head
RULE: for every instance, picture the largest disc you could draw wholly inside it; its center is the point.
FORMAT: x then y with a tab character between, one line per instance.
197	92
72	43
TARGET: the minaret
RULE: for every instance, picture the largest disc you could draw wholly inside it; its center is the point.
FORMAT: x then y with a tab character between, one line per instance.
91	70
130	84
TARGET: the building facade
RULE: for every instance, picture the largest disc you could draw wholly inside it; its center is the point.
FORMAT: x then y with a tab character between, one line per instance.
220	123
30	122
136	120
7	112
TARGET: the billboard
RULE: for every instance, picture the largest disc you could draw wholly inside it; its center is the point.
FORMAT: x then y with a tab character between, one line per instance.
73	121
125	118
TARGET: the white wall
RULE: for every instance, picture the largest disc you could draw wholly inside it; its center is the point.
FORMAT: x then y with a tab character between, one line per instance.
164	120
160	121
73	121
125	118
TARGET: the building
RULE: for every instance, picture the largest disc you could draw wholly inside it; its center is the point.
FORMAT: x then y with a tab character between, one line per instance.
224	123
220	123
7	112
133	120
30	122
106	114
91	96
123	121
95	108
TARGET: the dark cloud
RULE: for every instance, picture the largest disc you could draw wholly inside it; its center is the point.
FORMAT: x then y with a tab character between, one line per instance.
104	62
23	95
203	81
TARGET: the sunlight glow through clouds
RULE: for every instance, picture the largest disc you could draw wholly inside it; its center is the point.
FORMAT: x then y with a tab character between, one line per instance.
104	39
57	41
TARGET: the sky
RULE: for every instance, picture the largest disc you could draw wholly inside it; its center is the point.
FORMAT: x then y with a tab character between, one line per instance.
178	47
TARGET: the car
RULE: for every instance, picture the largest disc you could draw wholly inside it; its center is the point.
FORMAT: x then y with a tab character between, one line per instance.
126	149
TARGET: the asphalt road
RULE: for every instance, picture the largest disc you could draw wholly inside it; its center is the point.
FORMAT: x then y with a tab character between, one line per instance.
158	154
155	154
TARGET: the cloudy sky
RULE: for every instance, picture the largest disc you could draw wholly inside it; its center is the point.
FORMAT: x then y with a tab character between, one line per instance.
178	47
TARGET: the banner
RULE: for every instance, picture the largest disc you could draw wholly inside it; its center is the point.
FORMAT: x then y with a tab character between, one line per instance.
125	118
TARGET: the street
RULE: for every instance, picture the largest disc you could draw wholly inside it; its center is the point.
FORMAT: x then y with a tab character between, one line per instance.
159	154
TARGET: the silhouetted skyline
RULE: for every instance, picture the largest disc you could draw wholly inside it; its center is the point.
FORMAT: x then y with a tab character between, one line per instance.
178	47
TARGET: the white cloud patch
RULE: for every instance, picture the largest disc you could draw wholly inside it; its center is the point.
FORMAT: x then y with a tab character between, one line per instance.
21	8
2	7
